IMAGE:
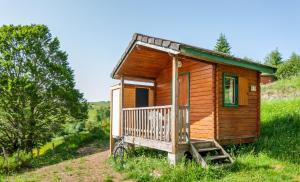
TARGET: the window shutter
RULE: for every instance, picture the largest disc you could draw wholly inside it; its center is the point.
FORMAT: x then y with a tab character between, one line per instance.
243	91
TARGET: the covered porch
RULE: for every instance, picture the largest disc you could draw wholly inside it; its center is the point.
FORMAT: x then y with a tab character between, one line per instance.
162	119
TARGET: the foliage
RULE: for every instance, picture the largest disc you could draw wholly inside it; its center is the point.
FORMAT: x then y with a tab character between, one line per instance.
251	60
222	45
36	87
274	58
289	68
14	162
274	157
98	113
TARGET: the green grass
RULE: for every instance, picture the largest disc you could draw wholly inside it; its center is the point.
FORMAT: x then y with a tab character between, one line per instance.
274	157
286	88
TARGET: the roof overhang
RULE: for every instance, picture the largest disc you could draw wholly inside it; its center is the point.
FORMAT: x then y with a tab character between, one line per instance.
201	54
174	48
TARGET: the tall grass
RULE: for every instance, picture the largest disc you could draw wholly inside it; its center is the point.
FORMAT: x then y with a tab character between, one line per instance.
274	157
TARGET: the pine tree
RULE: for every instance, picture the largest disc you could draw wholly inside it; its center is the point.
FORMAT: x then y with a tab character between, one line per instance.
222	45
274	58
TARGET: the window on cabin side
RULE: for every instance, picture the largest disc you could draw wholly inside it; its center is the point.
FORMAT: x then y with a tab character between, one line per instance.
230	90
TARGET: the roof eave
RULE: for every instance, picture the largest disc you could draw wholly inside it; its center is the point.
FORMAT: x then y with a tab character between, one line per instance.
192	52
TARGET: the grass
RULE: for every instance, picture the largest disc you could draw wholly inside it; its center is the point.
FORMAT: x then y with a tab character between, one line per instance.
274	157
286	88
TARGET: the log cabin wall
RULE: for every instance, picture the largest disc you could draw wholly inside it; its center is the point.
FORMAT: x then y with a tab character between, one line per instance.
129	95
240	124
201	95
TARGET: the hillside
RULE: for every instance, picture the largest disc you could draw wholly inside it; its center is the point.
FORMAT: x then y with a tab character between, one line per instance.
282	89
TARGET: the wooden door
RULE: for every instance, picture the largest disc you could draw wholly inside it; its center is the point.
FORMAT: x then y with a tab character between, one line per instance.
142	97
184	89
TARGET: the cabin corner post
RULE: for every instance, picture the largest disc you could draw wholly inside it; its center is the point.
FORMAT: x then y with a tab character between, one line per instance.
121	105
173	156
111	140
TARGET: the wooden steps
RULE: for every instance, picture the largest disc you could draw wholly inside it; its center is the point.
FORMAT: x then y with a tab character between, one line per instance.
209	152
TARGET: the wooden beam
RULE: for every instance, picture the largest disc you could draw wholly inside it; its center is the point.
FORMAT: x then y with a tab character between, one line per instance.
155	144
111	139
174	112
139	79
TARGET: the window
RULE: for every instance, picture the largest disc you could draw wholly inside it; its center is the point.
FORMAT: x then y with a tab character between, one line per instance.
230	90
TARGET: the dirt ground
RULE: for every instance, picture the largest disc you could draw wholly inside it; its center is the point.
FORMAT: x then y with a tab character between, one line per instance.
89	168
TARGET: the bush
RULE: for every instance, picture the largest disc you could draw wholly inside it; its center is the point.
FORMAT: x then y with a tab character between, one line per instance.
15	162
290	68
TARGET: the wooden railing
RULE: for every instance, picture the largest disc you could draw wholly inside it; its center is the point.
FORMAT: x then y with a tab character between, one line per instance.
148	122
184	124
155	123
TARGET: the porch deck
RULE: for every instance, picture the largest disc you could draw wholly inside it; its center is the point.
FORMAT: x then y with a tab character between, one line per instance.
151	126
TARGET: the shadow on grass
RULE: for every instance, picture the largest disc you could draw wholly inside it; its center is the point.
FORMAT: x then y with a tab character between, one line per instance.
280	138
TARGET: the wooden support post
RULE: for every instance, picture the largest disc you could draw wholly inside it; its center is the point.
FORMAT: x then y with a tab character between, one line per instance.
121	106
111	139
174	111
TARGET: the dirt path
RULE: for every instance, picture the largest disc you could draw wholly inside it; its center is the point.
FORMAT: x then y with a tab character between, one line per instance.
88	168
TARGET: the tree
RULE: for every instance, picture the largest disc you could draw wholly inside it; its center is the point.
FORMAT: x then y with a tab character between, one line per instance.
289	68
37	94
222	45
274	58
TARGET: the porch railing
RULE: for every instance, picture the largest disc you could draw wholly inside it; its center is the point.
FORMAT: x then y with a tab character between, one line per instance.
155	123
184	124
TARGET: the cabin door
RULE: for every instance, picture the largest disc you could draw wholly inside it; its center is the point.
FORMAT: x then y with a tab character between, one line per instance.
141	97
184	89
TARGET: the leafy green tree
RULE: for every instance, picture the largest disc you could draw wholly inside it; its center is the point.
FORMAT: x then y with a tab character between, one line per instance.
289	68
36	88
274	58
222	45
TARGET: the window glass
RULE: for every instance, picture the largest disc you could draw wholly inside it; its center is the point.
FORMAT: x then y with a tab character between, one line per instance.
230	95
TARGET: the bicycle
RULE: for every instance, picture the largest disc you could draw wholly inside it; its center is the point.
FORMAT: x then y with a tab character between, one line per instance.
120	152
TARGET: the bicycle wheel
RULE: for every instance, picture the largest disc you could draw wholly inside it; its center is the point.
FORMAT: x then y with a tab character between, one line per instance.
120	155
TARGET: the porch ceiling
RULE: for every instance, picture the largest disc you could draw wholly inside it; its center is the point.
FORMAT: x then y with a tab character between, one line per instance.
143	62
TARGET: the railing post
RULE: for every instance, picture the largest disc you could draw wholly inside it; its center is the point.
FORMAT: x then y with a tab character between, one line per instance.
174	111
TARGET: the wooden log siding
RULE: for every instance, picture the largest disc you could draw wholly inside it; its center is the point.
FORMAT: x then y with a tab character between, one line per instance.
241	122
201	95
154	123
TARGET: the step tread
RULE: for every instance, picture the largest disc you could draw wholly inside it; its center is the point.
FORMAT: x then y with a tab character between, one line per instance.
216	157
208	149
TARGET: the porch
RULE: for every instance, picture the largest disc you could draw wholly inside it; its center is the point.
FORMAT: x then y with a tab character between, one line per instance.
152	127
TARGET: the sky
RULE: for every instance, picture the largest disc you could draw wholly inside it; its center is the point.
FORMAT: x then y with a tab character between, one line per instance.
95	33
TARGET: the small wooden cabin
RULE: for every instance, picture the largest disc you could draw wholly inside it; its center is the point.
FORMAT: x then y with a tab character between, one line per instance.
177	98
266	78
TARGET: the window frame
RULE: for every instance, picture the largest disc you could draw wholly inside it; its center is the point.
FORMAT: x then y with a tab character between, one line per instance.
236	90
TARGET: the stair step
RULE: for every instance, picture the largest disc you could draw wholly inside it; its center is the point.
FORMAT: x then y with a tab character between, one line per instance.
203	144
208	149
216	157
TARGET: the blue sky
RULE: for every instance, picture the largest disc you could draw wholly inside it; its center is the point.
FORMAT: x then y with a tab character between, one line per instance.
95	33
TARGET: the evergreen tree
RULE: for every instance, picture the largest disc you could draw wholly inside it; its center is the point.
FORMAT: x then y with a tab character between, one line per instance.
222	45
274	58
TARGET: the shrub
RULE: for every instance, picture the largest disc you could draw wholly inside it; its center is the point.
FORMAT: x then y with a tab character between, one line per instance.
290	68
15	162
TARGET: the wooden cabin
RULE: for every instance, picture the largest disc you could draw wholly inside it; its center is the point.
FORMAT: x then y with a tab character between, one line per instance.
178	98
267	78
